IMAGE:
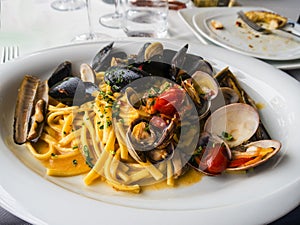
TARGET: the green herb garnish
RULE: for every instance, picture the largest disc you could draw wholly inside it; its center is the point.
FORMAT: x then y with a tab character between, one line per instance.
226	136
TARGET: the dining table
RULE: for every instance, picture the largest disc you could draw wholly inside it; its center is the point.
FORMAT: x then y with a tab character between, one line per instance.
33	26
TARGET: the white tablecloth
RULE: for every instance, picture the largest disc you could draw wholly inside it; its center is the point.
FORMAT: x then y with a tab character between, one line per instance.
33	25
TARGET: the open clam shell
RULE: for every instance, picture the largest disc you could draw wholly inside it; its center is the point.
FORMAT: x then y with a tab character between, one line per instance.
205	84
268	147
87	74
239	120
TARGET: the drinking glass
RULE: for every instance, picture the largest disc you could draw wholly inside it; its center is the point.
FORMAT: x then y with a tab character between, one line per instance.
146	18
91	35
112	20
67	5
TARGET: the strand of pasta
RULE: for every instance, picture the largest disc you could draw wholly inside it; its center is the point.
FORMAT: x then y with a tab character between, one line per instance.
51	140
39	156
88	124
115	184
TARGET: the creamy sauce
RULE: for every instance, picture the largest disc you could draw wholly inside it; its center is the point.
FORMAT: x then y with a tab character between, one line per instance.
260	105
189	178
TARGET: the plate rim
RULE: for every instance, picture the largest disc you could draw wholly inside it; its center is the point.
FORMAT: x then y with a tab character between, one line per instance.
28	216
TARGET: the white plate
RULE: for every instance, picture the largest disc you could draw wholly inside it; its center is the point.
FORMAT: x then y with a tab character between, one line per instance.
187	16
275	46
256	198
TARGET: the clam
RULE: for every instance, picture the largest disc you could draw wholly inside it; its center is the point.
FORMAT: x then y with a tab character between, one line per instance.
238	120
143	136
226	78
133	99
158	155
154	49
87	74
140	57
202	88
253	154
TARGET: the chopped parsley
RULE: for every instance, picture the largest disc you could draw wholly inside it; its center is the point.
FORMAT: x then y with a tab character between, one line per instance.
112	152
88	159
74	162
226	136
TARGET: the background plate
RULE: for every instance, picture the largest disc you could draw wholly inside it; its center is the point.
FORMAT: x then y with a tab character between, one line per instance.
276	46
187	16
255	198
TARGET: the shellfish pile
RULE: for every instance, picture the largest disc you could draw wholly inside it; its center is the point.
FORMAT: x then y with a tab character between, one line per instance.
180	108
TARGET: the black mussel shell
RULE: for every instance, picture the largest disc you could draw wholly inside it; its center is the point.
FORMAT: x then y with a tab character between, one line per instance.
118	77
102	60
61	72
90	89
101	56
106	63
67	90
195	63
141	54
155	68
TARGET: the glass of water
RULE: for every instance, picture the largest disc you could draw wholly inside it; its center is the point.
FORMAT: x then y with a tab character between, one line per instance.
146	18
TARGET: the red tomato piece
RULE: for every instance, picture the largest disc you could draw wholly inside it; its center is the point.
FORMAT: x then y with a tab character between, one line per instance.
215	159
170	100
238	162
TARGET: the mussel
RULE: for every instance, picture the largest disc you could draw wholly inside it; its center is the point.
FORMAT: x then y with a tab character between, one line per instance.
120	76
102	60
62	71
67	90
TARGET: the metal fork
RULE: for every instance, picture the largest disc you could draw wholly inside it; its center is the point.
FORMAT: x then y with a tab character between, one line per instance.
261	29
253	25
9	53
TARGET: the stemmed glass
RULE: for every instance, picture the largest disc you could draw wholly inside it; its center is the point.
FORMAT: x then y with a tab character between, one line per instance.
67	5
112	20
0	14
91	35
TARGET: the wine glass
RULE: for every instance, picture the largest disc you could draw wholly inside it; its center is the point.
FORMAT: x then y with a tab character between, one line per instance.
0	14
112	20
67	5
91	35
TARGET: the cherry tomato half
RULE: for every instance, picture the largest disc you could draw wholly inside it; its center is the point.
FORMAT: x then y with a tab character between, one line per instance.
170	100
215	159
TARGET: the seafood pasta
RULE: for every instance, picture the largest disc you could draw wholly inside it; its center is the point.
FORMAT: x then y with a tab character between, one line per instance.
133	120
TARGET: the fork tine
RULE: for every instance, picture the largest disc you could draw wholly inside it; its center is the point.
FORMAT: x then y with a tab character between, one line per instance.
251	24
15	52
2	55
9	53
